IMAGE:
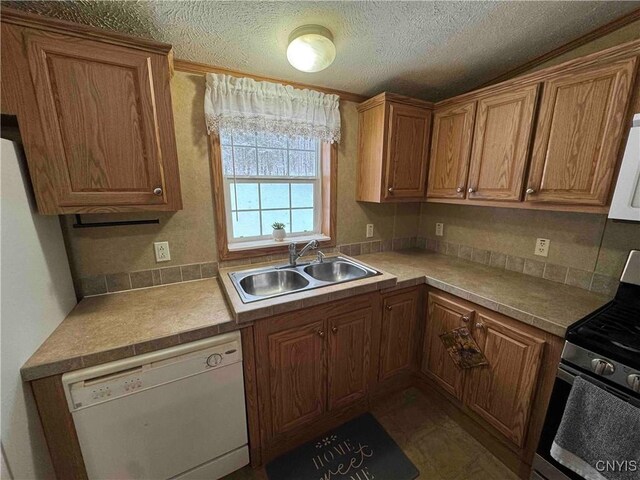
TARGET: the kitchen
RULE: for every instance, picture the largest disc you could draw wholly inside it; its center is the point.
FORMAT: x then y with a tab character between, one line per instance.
414	230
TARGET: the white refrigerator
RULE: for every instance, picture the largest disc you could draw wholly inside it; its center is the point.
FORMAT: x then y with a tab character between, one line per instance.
36	294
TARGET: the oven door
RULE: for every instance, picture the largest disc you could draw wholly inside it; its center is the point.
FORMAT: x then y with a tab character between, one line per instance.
544	466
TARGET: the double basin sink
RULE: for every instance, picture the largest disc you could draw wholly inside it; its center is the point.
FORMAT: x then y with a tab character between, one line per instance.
259	284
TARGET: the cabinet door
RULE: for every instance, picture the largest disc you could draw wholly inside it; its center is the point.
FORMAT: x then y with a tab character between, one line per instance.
443	315
450	151
579	133
501	140
349	356
290	359
106	112
397	340
502	392
408	150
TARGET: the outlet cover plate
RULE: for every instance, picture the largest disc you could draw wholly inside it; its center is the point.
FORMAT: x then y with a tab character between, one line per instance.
369	230
542	247
162	251
439	229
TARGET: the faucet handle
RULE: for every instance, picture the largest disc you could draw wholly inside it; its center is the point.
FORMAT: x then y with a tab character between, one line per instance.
320	256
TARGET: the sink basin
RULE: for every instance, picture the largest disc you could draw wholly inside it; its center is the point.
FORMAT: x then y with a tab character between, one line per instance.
263	283
333	272
274	282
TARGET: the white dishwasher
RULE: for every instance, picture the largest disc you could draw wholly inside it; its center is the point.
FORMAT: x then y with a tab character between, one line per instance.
177	413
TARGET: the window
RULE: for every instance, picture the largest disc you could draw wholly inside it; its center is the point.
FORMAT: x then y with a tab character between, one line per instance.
270	178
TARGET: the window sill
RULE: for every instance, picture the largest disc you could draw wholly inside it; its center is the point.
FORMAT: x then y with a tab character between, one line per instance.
257	244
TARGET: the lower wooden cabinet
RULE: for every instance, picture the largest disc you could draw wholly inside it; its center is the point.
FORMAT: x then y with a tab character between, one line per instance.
349	356
295	353
501	393
443	314
311	365
399	331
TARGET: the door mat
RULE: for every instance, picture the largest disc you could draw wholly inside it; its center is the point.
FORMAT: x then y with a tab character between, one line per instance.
357	450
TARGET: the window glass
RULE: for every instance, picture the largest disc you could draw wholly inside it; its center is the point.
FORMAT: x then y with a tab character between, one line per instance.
270	178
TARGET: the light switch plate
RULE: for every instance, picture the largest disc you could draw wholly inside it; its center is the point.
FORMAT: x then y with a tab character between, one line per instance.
369	230
162	251
439	229
542	247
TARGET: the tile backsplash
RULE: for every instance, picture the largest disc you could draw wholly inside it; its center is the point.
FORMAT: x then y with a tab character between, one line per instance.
585	279
122	281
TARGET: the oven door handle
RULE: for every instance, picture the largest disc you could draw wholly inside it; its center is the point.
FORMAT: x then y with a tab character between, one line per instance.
568	374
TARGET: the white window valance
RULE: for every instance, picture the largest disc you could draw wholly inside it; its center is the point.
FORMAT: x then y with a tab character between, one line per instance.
235	104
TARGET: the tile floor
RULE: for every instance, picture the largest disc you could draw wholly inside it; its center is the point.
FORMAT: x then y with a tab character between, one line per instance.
435	443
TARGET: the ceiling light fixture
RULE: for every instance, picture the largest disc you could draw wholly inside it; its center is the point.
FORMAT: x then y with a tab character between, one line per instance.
311	48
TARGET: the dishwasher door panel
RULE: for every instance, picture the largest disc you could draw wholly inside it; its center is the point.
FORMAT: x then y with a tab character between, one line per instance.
142	435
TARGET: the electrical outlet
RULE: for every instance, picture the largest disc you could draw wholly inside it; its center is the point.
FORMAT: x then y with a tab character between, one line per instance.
439	229
162	251
542	247
369	230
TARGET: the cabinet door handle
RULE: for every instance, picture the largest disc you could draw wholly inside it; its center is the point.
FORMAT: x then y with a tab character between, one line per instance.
460	189
390	189
530	191
480	325
320	332
471	190
389	307
465	318
334	330
157	191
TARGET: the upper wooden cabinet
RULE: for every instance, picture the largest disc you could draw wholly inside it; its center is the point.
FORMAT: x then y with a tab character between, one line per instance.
450	150
549	139
580	129
96	118
501	140
393	148
480	148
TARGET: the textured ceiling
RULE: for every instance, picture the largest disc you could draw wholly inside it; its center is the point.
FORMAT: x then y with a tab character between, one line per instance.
429	50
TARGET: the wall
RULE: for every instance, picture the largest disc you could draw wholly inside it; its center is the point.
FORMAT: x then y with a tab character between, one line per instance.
37	294
586	250
103	258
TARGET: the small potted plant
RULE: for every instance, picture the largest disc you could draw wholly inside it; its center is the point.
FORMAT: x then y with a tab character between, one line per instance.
278	231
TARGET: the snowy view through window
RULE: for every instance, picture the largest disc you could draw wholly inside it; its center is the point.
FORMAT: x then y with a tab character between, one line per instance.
270	178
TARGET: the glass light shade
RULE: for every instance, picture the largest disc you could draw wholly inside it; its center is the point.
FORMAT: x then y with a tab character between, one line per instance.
311	48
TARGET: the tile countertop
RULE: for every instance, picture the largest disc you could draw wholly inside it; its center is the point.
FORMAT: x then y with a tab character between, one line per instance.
110	327
548	305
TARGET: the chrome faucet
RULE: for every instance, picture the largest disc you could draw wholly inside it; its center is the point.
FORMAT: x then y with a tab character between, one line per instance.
294	255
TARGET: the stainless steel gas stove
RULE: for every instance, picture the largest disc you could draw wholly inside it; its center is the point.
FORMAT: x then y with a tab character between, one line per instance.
603	348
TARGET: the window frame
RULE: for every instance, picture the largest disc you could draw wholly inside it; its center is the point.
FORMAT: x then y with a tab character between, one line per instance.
327	211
